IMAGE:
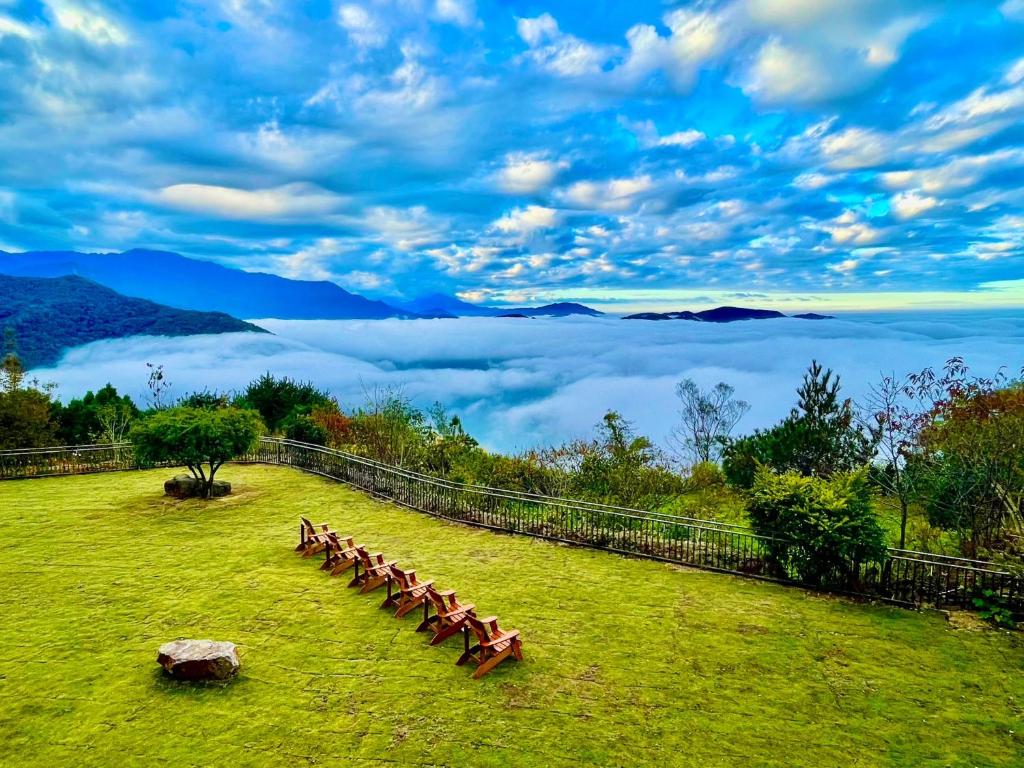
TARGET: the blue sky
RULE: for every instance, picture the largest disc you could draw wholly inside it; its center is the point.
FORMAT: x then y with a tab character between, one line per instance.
844	153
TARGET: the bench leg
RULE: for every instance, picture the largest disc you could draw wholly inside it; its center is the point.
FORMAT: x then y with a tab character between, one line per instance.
491	663
409	606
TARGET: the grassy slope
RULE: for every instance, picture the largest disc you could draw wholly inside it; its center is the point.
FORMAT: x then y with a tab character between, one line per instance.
627	662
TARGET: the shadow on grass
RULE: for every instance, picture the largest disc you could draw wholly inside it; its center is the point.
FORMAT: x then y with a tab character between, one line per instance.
165	684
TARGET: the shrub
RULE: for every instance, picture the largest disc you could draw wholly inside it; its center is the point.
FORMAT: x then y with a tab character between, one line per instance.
705	476
303	428
826	526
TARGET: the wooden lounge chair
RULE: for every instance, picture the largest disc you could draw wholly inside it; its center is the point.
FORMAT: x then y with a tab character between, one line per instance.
449	615
493	646
339	554
375	571
411	591
312	538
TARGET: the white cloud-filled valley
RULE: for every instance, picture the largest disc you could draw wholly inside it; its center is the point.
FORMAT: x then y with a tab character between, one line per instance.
522	383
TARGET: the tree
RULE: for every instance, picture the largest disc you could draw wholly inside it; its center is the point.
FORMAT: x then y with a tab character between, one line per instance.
616	467
821	529
890	415
971	441
102	416
25	408
158	386
390	428
819	438
278	398
199	438
707	418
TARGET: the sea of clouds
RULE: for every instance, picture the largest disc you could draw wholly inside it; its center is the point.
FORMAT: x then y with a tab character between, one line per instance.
522	383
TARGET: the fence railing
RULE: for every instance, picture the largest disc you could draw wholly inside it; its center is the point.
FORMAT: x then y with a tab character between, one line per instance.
903	577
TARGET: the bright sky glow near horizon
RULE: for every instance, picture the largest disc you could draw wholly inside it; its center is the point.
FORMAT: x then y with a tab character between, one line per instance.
816	154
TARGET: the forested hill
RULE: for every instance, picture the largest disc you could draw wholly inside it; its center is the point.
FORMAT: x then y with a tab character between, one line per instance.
49	315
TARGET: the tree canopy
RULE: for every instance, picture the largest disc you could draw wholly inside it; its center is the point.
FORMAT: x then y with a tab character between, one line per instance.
200	438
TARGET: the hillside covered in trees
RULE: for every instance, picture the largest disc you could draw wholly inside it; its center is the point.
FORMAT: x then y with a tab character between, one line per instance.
48	315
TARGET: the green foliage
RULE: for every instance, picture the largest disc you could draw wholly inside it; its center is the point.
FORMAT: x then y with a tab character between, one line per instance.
196	437
25	408
705	476
617	467
972	447
391	429
447	443
52	314
302	427
818	439
275	399
994	607
208	399
103	416
824	527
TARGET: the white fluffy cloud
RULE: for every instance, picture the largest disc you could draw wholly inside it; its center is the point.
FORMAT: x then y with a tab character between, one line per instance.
909	205
525	221
528	173
560	53
613	195
363	28
290	201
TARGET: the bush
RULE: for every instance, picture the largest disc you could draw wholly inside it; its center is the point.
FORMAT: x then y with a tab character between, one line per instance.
705	476
827	526
305	429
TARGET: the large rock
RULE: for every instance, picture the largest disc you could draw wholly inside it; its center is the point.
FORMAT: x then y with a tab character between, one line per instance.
186	486
198	659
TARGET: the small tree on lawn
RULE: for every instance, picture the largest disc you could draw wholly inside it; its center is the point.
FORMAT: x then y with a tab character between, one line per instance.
200	439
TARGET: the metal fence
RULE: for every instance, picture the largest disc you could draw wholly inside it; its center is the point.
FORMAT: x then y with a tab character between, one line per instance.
903	577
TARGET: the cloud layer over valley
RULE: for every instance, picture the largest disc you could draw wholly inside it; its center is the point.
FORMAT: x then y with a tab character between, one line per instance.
522	383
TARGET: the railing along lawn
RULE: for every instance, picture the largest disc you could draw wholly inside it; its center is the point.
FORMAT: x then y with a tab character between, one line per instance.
904	577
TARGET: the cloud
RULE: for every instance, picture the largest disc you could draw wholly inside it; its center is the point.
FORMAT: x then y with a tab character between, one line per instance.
459	12
612	195
557	52
525	173
910	205
525	221
290	201
87	23
363	28
515	389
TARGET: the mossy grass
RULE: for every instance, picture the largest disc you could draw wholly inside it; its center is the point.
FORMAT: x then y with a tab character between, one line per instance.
628	662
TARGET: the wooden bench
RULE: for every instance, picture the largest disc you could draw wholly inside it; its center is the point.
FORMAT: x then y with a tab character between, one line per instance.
411	591
449	614
312	538
339	554
376	571
493	645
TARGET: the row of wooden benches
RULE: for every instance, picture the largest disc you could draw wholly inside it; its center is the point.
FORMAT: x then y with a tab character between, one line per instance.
371	571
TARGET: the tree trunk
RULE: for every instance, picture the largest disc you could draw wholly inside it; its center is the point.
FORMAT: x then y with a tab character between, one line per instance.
903	523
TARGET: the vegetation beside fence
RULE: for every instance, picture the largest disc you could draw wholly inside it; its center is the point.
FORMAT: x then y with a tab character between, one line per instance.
902	577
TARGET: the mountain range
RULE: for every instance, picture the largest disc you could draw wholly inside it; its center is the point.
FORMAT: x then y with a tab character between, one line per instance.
723	315
178	281
50	314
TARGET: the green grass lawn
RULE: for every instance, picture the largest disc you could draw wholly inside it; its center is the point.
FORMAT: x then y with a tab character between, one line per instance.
628	662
